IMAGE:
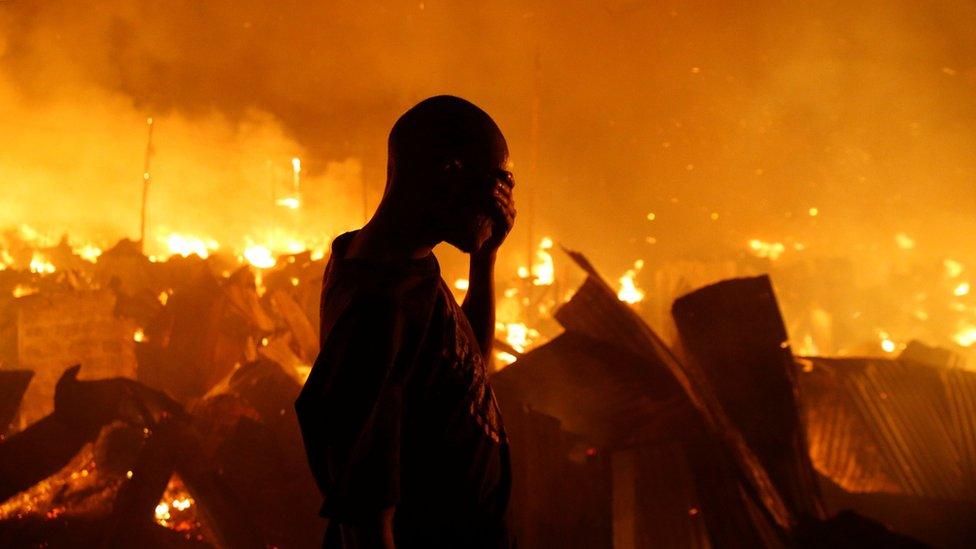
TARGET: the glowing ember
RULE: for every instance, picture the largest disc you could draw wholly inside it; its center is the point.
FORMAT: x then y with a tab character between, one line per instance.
961	290
953	268
461	284
22	290
505	358
629	293
887	345
904	241
176	509
139	336
162	513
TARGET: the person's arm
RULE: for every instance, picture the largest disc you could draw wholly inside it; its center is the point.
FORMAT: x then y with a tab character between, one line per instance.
479	302
349	412
374	531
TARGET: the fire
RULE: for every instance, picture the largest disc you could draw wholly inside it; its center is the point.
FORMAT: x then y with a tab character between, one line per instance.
629	292
162	513
5	260
176	509
887	345
543	270
88	252
966	336
187	245
461	284
139	336
40	264
961	290
766	250
259	256
518	335
290	202
505	358
22	290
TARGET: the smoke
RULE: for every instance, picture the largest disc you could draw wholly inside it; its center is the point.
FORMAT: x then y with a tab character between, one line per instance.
729	121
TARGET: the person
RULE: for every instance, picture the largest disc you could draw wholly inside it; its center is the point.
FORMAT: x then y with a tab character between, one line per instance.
401	428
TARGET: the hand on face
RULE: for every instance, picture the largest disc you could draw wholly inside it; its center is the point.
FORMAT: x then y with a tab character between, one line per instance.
502	212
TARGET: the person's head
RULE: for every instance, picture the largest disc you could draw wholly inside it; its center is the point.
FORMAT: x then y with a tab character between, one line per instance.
445	157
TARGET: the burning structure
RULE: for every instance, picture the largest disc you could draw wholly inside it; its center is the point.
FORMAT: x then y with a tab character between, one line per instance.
173	173
620	438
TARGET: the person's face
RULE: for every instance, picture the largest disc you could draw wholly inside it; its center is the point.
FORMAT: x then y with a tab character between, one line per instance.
465	186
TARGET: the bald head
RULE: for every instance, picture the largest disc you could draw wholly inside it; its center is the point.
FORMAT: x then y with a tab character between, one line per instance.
440	130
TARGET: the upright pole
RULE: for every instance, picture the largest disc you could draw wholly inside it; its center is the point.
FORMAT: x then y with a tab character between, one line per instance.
145	186
533	155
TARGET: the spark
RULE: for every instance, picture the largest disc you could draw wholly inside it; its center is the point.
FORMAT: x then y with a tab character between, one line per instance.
904	241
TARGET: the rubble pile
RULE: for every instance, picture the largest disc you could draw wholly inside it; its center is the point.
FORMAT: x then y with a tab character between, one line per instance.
148	402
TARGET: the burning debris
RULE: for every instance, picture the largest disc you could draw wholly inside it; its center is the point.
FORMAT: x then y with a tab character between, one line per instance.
221	344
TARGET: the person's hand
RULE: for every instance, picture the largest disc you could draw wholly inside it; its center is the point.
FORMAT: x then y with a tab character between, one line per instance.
502	213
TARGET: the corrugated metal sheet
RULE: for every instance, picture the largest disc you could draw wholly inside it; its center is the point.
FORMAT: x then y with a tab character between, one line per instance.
595	310
960	389
877	425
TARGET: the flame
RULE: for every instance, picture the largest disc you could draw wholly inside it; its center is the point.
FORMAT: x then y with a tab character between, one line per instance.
22	290
505	358
259	256
5	260
543	271
966	336
887	344
88	252
162	513
629	292
290	202
187	245
175	509
517	334
461	284
766	250
40	264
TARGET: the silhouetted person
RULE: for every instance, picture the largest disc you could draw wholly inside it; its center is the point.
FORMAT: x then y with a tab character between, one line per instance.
401	428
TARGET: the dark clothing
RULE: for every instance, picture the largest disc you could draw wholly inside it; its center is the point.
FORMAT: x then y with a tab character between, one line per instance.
398	411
